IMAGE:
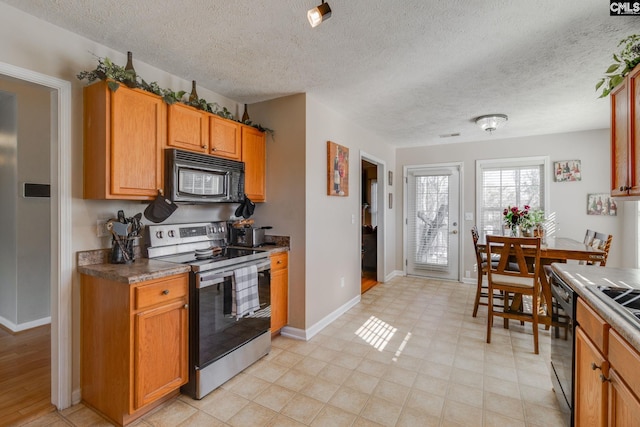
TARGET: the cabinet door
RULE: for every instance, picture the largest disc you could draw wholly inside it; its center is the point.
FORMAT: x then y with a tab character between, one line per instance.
225	138
279	298
160	351
633	80
591	391
137	135
187	128
254	156
624	407
619	140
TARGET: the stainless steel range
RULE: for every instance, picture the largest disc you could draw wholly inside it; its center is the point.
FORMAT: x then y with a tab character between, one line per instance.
225	334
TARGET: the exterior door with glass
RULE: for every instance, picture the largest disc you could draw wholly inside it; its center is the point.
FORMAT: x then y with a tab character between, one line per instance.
432	222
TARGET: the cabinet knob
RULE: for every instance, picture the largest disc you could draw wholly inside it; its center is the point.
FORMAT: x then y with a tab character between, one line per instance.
594	366
279	261
186	306
204	146
604	379
165	292
213	149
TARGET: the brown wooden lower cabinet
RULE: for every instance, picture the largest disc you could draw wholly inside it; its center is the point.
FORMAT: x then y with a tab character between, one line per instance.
134	344
591	400
279	291
607	386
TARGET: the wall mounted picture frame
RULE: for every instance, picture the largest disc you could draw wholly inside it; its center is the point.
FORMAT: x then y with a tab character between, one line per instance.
601	204
337	170
567	170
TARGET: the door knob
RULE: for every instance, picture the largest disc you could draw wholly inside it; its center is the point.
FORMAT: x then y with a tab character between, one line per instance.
454	232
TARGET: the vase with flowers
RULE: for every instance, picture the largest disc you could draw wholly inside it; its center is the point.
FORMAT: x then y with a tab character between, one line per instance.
515	218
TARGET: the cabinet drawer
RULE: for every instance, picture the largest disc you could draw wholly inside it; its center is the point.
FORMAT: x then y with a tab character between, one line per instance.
593	325
161	291
624	359
279	261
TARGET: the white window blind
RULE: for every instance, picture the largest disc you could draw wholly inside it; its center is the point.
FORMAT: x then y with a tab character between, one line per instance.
508	182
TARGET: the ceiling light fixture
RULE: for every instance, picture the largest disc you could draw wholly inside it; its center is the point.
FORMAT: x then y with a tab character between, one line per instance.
491	122
319	14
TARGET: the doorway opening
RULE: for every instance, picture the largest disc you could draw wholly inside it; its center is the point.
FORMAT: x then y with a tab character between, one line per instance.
371	221
61	259
25	250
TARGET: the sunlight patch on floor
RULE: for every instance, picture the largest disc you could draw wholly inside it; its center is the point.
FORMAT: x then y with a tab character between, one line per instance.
376	332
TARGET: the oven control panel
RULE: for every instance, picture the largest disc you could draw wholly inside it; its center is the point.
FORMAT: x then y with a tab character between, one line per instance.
178	234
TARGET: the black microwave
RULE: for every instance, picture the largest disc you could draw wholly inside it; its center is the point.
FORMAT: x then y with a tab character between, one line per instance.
201	178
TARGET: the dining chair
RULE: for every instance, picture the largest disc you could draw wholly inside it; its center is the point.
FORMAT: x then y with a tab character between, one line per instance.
602	242
525	252
588	237
481	261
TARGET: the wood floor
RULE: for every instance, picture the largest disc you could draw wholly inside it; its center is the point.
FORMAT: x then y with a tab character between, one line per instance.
368	281
25	375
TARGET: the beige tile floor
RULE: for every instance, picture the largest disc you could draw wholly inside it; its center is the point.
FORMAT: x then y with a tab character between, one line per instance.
409	354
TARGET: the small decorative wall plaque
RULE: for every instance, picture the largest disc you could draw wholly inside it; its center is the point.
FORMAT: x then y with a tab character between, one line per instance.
337	169
567	170
601	204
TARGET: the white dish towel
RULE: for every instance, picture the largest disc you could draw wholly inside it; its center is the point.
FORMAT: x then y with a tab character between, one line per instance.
245	291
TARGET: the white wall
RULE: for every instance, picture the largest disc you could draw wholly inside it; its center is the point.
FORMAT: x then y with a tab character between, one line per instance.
8	209
568	199
333	241
325	245
285	208
34	214
28	233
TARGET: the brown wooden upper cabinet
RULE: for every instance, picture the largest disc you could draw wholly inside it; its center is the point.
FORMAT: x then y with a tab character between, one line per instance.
625	137
225	138
254	156
124	132
187	128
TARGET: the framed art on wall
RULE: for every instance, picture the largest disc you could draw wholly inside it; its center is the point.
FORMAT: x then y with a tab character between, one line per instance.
337	169
601	204
567	170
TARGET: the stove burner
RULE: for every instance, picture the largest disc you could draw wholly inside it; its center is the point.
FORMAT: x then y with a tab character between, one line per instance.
624	300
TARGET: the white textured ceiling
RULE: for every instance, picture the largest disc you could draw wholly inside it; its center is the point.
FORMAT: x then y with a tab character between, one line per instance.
410	70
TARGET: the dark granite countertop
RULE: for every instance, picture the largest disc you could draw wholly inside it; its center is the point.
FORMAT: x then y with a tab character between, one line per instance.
141	270
96	263
580	277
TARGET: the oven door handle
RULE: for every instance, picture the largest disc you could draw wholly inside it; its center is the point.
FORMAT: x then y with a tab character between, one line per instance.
205	280
212	279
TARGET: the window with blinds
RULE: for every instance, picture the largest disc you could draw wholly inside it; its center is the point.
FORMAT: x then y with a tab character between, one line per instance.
508	182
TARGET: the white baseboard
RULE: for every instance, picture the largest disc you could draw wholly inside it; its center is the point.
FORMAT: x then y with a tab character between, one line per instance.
24	326
307	334
394	273
76	396
469	280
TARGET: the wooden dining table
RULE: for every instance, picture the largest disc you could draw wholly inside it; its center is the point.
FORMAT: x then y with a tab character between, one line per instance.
557	249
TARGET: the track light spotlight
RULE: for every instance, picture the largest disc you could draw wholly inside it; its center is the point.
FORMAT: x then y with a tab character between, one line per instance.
319	14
